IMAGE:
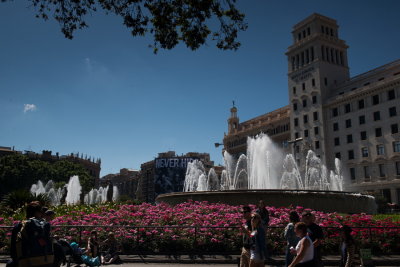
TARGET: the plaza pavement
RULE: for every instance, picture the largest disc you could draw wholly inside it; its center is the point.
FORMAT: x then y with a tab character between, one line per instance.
230	260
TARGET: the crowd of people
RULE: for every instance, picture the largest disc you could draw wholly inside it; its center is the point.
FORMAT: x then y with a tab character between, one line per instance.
32	243
304	239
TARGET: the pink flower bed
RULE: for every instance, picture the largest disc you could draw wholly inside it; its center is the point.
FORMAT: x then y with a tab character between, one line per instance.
206	227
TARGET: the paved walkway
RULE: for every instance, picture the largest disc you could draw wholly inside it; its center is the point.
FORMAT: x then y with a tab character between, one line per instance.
226	260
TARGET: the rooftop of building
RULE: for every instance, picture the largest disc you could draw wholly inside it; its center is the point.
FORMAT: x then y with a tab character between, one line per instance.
363	82
313	17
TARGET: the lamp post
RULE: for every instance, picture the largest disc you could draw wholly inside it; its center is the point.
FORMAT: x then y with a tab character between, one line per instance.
218	144
294	142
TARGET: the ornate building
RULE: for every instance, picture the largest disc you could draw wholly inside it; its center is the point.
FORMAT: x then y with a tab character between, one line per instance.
355	119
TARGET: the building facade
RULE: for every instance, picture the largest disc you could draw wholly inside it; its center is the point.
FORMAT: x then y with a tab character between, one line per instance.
355	119
126	181
166	173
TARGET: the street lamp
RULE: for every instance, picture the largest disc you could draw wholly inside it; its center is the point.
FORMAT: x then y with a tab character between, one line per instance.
218	144
294	142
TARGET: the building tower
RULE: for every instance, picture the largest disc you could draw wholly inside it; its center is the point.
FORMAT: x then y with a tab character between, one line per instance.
317	63
233	121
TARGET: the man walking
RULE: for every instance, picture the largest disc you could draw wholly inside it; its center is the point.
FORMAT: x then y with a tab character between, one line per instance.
316	235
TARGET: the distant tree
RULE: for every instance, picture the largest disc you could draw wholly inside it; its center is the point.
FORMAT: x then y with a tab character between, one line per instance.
168	21
20	172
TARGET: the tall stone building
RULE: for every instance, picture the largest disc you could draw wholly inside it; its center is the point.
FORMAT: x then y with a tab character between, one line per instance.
355	119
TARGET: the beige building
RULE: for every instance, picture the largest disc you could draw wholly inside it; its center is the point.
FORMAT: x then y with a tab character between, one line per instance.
355	119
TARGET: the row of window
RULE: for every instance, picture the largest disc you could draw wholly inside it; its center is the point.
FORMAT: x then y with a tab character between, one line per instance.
332	55
361	104
380	150
363	135
303	58
305	119
324	29
304	102
382	169
392	112
306	133
303	85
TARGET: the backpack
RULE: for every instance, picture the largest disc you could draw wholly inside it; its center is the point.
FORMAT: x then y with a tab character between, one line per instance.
33	245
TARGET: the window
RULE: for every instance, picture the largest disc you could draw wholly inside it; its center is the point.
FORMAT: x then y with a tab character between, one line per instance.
351	154
375	100
337	155
366	172
296	135
335	112
315	115
296	122
305	133
378	132
353	174
361	119
304	86
364	152
316	131
377	116
347	108
314	99
313	82
397	167
326	81
395	128
349	138
305	119
361	104
363	135
304	103
380	150
392	112
396	146
391	94
335	126
348	123
294	90
381	170
294	106
316	144
337	141
308	31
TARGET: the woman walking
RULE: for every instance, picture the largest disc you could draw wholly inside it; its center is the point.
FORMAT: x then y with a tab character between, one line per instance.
290	236
347	247
304	250
258	248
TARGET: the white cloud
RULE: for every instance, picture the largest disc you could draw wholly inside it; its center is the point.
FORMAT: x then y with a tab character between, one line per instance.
29	107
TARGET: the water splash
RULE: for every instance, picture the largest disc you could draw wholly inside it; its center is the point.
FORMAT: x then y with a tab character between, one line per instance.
73	191
266	167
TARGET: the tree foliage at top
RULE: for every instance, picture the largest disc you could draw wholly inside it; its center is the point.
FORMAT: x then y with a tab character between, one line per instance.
20	172
168	21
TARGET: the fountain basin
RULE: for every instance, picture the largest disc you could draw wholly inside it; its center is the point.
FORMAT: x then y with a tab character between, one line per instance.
326	201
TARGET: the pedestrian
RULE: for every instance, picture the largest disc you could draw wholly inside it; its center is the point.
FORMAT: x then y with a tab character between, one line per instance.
246	228
347	247
263	212
290	236
111	254
304	250
93	244
258	247
316	234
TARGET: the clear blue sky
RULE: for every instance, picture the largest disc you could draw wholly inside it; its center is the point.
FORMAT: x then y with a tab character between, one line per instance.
105	94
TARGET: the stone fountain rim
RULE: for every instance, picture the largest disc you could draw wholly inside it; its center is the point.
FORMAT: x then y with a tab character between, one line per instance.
265	190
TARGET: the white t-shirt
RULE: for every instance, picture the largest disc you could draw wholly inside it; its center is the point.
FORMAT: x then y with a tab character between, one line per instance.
309	255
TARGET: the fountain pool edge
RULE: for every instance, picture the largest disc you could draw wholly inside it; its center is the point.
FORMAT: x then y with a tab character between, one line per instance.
326	201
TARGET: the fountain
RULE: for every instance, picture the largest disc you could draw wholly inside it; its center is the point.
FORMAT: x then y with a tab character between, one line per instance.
73	193
266	173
